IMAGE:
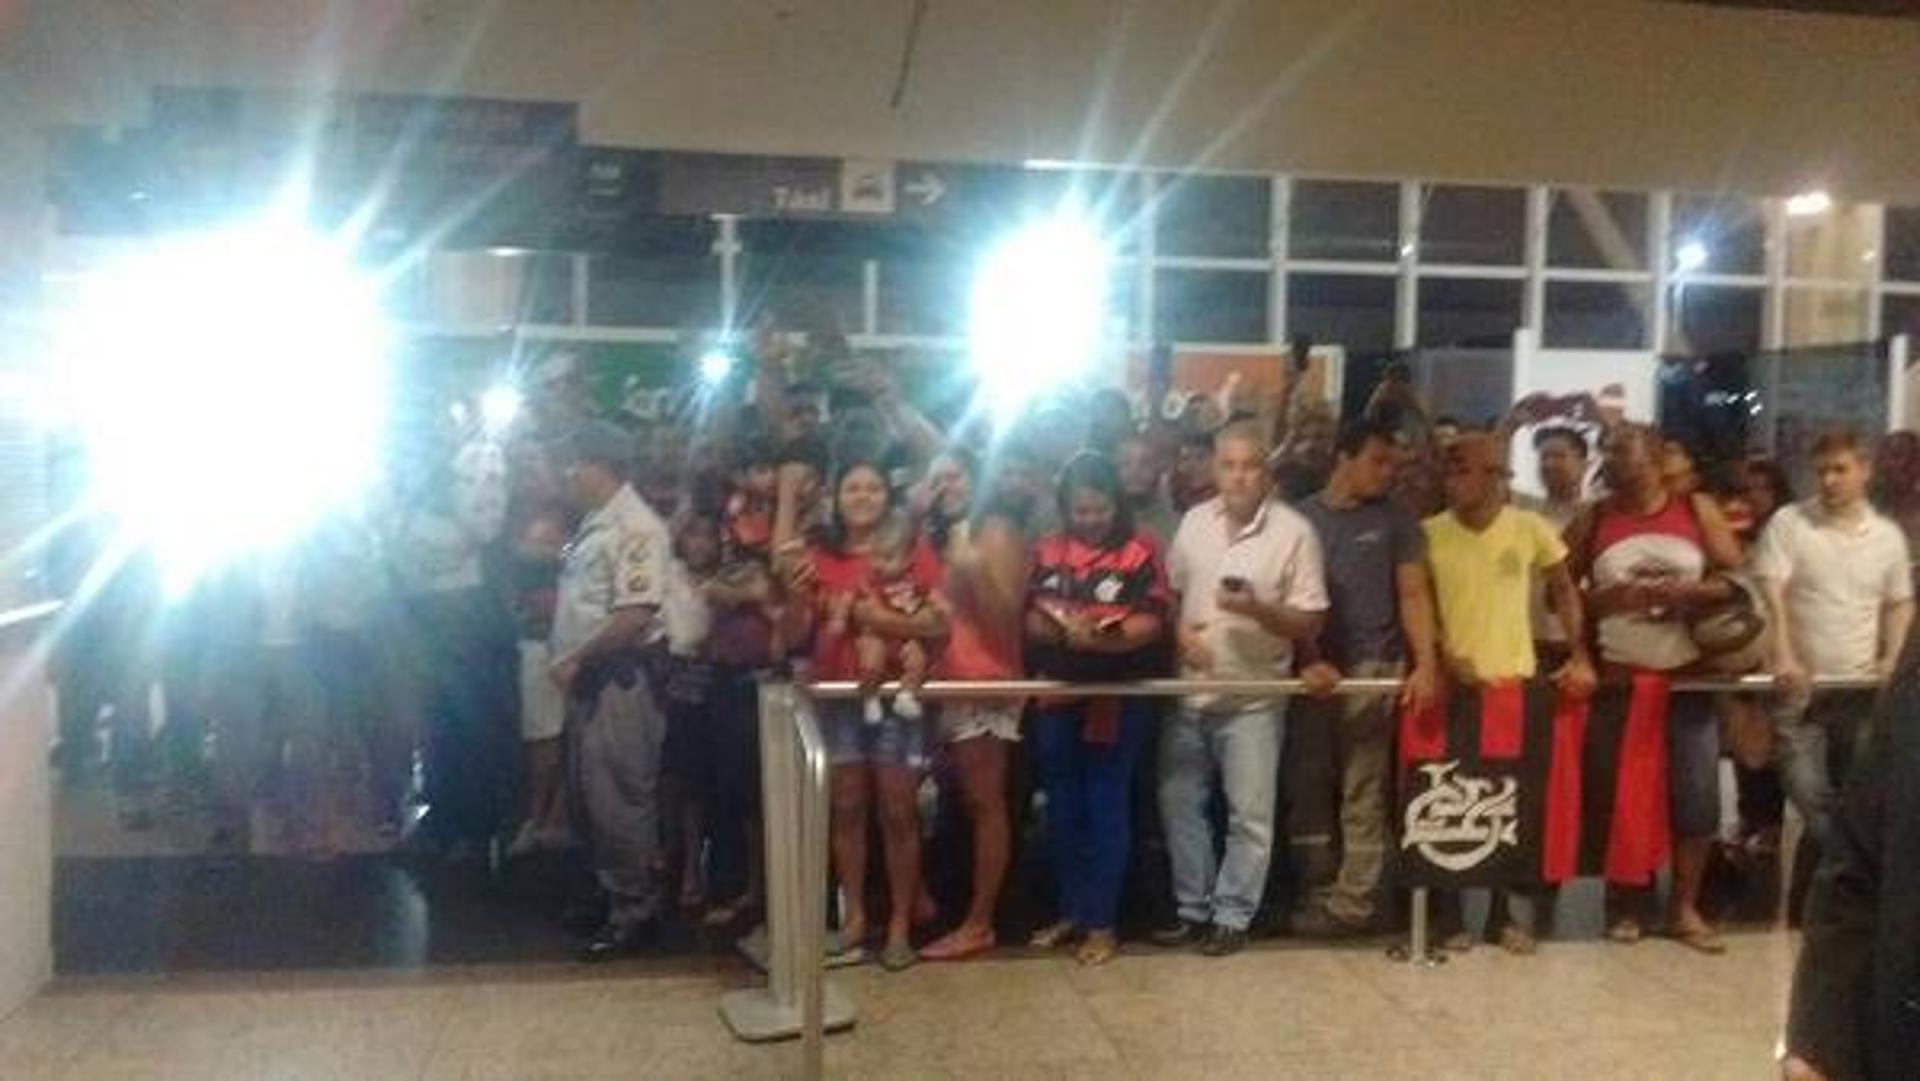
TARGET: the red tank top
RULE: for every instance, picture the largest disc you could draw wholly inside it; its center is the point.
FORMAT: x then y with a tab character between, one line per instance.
1675	520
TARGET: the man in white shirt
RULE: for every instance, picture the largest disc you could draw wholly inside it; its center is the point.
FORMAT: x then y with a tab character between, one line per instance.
612	586
1835	575
1251	579
1564	462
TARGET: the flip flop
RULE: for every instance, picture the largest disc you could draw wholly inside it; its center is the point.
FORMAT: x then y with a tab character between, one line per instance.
898	957
1700	940
727	913
947	949
1625	932
1053	935
841	954
1097	950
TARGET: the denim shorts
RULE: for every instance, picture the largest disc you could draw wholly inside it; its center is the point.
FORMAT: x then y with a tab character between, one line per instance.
894	741
1693	766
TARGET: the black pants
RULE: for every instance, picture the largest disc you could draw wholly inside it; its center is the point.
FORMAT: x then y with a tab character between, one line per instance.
466	673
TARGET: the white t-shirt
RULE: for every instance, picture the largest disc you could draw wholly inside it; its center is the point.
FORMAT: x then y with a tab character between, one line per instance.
1838	576
1278	553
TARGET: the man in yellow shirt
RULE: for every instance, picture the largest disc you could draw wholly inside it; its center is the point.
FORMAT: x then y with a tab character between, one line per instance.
1484	554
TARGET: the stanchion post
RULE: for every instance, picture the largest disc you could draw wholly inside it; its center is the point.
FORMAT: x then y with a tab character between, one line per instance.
813	893
796	1001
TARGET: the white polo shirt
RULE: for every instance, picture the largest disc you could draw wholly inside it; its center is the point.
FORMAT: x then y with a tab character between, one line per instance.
616	560
1278	554
1838	576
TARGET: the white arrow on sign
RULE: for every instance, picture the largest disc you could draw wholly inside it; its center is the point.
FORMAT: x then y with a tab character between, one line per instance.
927	187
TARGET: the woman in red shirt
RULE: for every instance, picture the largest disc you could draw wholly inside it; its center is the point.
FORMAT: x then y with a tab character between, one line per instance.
1096	611
983	545
883	759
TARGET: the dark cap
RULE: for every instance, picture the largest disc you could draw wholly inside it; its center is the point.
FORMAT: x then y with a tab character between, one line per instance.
603	442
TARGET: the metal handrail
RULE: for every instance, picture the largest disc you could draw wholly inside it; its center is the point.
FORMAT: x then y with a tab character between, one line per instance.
961	689
813	895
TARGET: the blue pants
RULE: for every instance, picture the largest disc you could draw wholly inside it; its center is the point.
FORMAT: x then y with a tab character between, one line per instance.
1242	750
1089	807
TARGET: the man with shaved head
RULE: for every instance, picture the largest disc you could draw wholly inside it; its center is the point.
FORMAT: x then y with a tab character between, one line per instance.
1484	554
1251	580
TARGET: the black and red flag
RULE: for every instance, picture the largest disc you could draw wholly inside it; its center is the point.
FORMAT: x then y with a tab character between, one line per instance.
1510	784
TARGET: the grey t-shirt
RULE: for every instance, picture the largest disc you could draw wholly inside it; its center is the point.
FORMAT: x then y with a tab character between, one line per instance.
1363	546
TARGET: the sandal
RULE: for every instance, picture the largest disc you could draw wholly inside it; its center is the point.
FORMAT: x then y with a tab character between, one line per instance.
1701	939
956	947
898	957
1053	936
1518	942
727	913
841	951
1626	932
1099	948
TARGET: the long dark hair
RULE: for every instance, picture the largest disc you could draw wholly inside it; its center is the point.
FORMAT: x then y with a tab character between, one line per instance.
1093	470
834	536
939	527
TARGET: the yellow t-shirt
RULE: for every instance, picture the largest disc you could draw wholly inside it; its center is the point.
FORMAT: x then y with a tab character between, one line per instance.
1483	582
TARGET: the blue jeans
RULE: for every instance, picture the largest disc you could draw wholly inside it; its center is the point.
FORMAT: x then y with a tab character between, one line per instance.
1244	749
1813	742
1089	807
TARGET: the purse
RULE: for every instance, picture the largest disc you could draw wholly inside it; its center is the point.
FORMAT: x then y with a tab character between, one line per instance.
1731	635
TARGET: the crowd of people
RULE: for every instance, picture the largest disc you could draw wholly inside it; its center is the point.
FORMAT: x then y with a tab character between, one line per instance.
549	634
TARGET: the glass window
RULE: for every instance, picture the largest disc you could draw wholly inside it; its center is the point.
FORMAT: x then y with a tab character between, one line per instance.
1210	306
1350	310
1838	245
1597	230
666	276
1596	315
1900	314
658	291
546	287
1212	215
1731	232
1482	226
1825	316
1900	251
1468	312
1344	219
806	273
1714	319
926	297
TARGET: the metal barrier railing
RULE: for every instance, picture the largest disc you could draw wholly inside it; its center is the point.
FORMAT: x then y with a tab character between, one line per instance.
1262	688
798	1000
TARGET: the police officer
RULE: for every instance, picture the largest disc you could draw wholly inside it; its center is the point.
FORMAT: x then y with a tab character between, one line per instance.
607	615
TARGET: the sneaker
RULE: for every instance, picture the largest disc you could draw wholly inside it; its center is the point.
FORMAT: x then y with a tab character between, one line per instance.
1179	934
907	706
1223	942
611	942
873	711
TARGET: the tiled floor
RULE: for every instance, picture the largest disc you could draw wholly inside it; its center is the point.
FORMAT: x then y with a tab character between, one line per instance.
1577	1010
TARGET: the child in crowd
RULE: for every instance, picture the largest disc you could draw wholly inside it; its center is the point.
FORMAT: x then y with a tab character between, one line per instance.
688	756
893	589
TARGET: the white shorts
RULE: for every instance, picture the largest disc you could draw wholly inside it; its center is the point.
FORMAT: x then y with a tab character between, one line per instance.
543	709
960	721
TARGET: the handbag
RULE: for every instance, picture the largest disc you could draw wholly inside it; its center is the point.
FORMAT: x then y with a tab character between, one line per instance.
1731	635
